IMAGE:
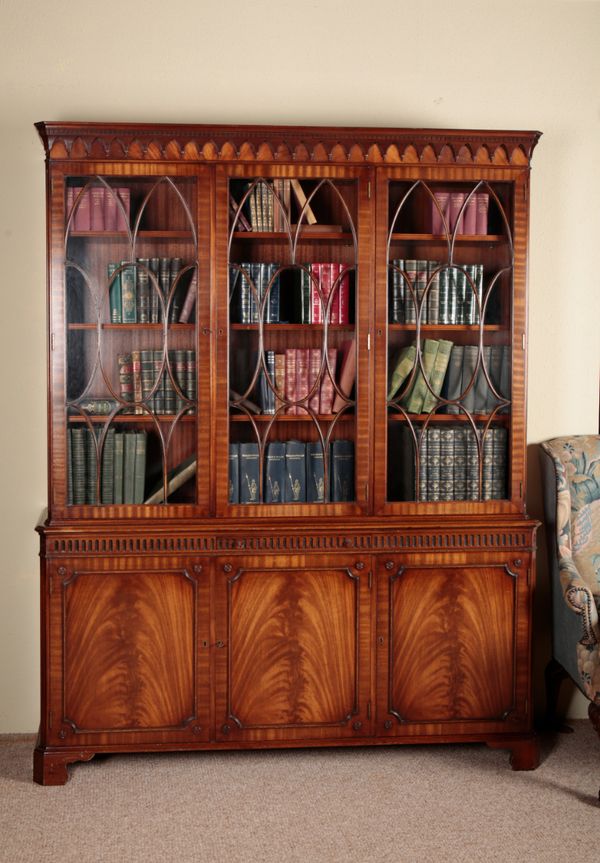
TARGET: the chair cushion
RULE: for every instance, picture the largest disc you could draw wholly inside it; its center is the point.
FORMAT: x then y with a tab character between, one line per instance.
585	544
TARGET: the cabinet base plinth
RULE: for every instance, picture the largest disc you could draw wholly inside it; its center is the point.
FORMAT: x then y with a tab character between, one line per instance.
50	767
524	752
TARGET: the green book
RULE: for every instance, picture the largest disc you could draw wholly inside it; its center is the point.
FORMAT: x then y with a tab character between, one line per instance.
118	468
415	398
438	374
129	467
114	294
91	467
139	482
78	440
128	294
108	462
404	365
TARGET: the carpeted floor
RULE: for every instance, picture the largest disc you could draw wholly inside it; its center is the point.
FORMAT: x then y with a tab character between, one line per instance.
405	804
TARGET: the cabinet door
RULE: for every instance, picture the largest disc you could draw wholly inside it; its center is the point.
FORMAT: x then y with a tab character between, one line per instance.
294	269
127	653
294	639
453	647
129	295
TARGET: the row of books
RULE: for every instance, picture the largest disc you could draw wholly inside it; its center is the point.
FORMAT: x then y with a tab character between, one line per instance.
134	291
449	370
449	213
99	208
268	206
122	472
139	371
324	292
299	375
293	472
449	465
454	295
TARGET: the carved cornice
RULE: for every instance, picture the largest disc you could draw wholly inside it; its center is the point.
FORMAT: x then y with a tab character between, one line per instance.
298	144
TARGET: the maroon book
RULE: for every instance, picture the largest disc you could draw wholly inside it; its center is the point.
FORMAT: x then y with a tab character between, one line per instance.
483	203
81	219
314	368
315	299
344	294
290	379
110	210
302	372
470	221
457	199
97	212
124	210
327	389
437	222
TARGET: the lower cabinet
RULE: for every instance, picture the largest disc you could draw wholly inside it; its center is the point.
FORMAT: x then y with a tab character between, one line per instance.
146	652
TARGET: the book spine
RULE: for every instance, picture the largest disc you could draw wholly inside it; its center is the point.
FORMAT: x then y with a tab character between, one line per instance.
327	390
423	463
316	293
439	213
472	453
410	307
275	465
154	283
110	210
444	300
433	294
396	296
142	286
302	376
118	468
342	471
315	473
434	455
191	378
486	475
446	464
91	468
470	220
249	473
422	271
129	467
123	208
416	396
169	389
457	199
460	463
125	366
159	394
499	462
180	372
136	371
305	209
108	467
344	294
470	353
438	373
78	451
82	216
114	294
176	287
234	473
147	366
483	201
98	407
128	294
279	380
164	270
314	367
97	208
305	298
139	481
290	379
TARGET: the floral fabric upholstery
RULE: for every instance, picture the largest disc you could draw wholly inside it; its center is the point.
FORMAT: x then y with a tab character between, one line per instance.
577	468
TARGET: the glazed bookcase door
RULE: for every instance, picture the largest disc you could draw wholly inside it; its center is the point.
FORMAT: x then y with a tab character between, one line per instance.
133	290
452	311
293	390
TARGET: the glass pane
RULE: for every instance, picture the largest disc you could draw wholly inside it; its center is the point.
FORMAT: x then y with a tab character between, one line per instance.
131	284
292	287
450	261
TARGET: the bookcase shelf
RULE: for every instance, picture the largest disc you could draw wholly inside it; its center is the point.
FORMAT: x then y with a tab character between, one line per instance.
230	579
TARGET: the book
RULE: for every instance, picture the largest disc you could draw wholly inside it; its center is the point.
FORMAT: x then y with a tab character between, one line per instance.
499	462
423	456
129	456
302	378
249	473
460	462
189	300
396	297
446	463
413	401
82	209
314	368
290	380
114	294
305	208
439	212
176	478
128	294
451	390
455	212
275	472
482	390
433	463
471	464
470	219
315	473
470	356
483	201
139	481
295	472
327	389
123	208
98	406
401	369
347	376
342	470
438	374
142	287
78	457
97	208
118	468
234	473
251	406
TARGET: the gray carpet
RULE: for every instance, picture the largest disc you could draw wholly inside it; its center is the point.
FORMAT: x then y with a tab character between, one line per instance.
448	803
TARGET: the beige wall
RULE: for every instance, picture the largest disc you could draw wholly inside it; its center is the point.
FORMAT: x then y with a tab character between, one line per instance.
526	65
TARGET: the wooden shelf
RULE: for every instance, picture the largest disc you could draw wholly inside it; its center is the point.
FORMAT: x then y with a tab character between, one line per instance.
457	328
132	418
157	327
463	239
282	328
294	418
123	235
303	237
502	419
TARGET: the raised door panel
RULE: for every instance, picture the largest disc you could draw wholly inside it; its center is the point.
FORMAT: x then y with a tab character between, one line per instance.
452	648
127	662
294	662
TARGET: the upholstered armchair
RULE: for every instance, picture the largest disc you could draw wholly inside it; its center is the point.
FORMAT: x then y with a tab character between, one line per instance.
571	475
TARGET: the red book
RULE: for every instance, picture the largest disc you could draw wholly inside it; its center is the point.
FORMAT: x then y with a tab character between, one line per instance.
314	367
81	219
110	210
347	375
97	212
457	199
483	203
302	367
437	223
136	369
334	315
123	208
327	389
315	299
290	379
470	221
326	283
344	294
